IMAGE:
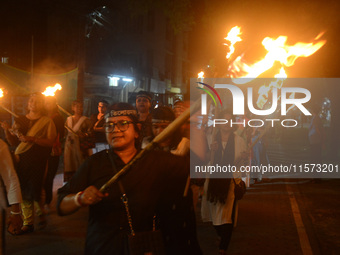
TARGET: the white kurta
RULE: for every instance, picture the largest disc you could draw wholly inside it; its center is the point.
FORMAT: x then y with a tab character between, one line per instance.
73	156
222	213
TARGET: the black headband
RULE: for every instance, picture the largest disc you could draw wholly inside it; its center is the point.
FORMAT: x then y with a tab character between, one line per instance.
114	113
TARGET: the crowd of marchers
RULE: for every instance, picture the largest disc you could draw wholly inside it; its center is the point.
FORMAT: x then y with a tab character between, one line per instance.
155	193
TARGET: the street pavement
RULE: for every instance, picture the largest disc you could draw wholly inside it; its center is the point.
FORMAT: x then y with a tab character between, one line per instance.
276	216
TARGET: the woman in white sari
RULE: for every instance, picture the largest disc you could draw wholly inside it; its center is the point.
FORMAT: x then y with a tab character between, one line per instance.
218	202
78	127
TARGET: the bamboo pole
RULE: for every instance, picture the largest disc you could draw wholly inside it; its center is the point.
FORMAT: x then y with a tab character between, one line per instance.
70	129
63	110
9	111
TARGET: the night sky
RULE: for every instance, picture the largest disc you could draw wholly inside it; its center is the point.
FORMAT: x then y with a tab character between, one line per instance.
299	20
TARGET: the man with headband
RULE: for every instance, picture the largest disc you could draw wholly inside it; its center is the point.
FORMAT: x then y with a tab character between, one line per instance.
151	184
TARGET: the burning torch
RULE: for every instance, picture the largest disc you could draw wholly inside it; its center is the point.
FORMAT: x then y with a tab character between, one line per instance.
50	91
5	108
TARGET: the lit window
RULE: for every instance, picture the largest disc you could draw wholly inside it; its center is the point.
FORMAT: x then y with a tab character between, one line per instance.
113	81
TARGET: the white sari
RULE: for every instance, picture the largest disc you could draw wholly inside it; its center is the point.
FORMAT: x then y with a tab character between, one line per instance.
219	213
73	156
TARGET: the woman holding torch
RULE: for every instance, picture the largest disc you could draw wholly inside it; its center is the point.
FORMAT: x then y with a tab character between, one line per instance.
35	133
150	185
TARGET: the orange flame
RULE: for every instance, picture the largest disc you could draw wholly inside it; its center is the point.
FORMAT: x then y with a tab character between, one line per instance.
277	51
233	37
50	91
1	93
201	74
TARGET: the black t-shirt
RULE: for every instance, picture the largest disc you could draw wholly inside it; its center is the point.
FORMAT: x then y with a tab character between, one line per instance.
151	185
99	137
59	124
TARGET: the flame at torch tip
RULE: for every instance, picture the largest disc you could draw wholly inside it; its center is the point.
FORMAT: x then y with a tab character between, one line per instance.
233	37
50	91
1	93
279	51
201	74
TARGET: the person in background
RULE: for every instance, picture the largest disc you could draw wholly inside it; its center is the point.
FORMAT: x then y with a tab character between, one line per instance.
98	129
316	136
9	192
180	226
161	118
179	108
143	106
218	201
53	159
151	184
36	134
196	184
259	155
78	127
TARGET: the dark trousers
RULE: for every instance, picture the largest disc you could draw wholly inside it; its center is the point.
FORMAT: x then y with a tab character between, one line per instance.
53	163
224	232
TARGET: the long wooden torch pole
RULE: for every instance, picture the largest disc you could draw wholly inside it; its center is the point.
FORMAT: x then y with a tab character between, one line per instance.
9	111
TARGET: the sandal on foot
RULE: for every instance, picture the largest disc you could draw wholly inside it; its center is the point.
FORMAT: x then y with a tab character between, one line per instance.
12	230
26	229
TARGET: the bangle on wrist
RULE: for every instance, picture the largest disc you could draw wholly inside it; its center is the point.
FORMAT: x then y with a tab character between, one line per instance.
15	213
77	199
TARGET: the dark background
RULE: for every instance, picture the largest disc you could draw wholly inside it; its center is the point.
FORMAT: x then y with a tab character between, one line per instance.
208	22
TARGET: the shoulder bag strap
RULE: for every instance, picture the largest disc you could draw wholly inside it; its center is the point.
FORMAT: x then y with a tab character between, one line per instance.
124	197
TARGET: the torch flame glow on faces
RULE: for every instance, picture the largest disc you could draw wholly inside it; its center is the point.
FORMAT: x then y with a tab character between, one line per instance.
50	91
